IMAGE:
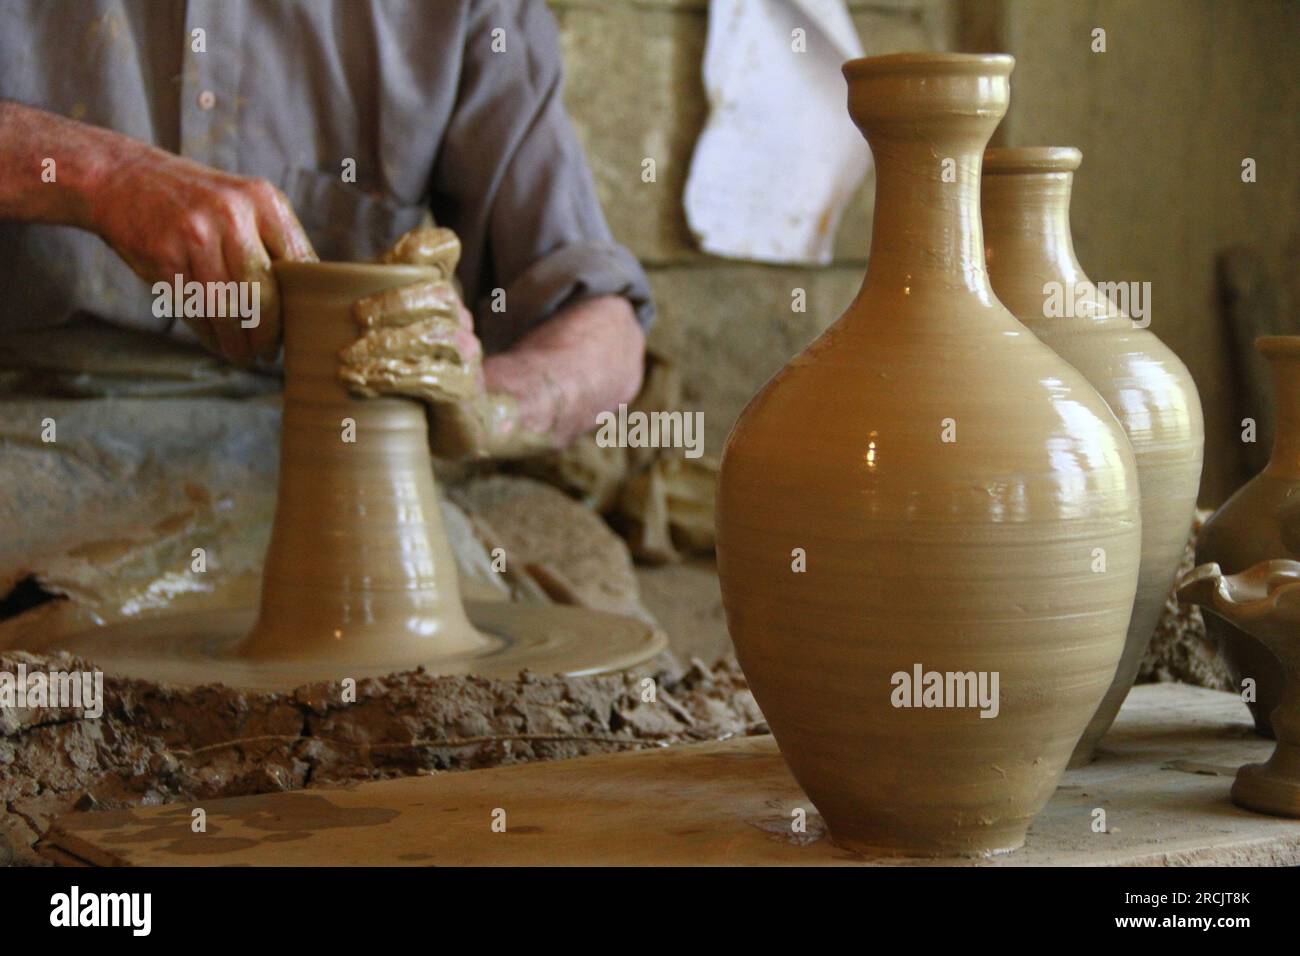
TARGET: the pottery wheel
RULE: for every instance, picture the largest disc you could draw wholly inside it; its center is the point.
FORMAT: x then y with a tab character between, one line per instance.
201	648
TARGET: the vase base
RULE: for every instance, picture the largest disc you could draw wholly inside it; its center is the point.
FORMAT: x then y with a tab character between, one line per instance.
201	648
1263	725
1272	787
877	847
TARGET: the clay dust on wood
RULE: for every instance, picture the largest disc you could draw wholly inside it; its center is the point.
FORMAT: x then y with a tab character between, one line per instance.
156	744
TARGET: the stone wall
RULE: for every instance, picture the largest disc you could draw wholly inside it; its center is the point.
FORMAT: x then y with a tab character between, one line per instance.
634	91
1185	90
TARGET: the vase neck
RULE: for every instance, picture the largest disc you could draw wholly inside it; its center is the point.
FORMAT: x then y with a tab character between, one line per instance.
1027	221
1285	457
926	229
927	118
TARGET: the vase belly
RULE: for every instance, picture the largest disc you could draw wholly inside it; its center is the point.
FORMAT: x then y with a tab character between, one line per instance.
1153	396
978	555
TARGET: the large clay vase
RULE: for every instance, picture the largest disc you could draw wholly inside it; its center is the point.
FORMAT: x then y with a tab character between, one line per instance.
929	487
1260	522
1030	252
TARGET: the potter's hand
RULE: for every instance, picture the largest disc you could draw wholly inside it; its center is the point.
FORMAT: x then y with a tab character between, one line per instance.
418	341
168	216
163	214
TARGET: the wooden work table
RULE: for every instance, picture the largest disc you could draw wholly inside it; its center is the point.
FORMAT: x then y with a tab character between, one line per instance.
1162	778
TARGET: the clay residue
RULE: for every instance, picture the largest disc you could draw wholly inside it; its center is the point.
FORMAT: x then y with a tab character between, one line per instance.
412	340
110	517
486	426
156	744
422	360
416	341
428	245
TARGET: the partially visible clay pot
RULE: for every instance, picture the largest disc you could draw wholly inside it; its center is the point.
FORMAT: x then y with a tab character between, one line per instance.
1030	253
1260	522
1264	602
928	485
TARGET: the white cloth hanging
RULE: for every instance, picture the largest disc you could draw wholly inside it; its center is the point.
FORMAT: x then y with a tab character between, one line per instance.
779	157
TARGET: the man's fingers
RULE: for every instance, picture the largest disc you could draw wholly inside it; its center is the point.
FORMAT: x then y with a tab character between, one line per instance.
265	336
469	346
273	232
464	316
279	228
426	246
418	340
407	304
435	343
208	267
455	432
249	262
434	360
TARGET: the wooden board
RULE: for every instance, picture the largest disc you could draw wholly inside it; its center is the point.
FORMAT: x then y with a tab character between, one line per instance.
1162	778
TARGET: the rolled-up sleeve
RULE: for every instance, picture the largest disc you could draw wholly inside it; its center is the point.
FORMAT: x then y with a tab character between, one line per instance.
512	180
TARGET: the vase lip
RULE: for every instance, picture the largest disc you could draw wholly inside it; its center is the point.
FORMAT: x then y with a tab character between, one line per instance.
1007	160
1278	346
347	271
956	64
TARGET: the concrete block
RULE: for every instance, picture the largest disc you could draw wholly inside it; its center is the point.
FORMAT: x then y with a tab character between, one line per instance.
634	92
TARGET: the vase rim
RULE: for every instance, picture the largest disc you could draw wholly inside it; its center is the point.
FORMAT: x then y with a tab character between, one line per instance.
342	275
962	64
1031	159
1278	346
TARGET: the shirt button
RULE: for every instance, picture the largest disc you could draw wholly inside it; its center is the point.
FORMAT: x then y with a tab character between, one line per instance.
207	100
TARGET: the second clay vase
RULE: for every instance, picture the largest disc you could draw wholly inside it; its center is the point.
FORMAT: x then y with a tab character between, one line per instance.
1260	522
928	522
1030	252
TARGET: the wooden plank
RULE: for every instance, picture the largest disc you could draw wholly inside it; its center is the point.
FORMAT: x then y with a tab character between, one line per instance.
1162	779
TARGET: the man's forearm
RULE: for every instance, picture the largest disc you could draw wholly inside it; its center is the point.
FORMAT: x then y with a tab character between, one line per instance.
585	360
49	165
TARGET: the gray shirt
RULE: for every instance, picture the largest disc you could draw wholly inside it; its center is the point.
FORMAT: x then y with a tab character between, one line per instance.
446	106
